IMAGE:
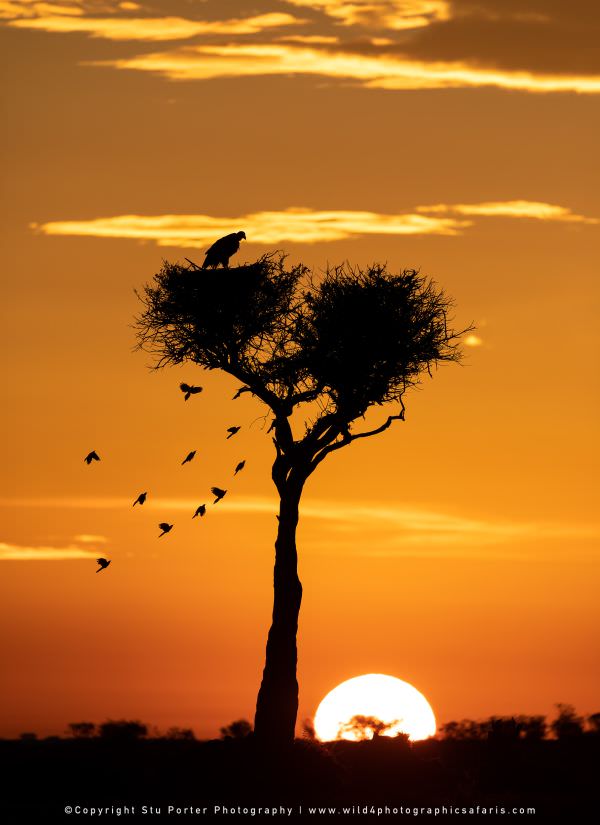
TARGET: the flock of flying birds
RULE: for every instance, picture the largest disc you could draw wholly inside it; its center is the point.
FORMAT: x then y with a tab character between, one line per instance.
188	390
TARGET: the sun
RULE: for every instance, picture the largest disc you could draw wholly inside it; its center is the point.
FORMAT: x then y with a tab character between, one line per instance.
354	708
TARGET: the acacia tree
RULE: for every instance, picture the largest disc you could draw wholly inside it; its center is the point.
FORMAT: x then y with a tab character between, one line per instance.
332	347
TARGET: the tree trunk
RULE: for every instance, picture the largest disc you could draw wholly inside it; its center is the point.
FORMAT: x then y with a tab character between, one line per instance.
277	702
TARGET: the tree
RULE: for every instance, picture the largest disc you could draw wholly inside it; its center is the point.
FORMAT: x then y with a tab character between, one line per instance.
82	730
567	723
333	347
365	727
180	734
593	721
236	730
123	730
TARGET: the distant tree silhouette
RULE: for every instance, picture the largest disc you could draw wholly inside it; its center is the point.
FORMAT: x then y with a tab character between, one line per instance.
496	728
365	727
180	734
332	347
82	730
308	730
28	736
236	730
532	727
464	729
123	729
593	722
567	723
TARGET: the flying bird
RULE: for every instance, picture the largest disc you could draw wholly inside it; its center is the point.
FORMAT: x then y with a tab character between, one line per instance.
166	528
188	457
93	456
222	250
103	564
239	467
189	389
140	499
200	511
232	431
216	491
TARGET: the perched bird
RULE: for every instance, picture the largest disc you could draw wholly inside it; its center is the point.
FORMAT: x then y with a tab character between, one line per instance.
222	250
188	457
239	467
166	528
189	389
140	499
216	491
232	431
103	564
93	456
200	511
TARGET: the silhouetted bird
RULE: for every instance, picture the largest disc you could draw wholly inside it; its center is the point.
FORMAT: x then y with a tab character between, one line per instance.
232	431
222	250
239	467
140	499
200	511
216	491
93	456
166	528
188	457
189	389
103	564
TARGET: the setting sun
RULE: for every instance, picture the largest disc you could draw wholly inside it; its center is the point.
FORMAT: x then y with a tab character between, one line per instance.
355	707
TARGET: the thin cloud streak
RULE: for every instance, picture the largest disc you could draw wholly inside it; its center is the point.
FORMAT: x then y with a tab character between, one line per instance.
510	209
294	225
399	525
374	71
17	552
390	14
306	226
154	29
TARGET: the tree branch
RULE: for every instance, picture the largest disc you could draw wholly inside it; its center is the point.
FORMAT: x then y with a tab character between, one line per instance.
348	438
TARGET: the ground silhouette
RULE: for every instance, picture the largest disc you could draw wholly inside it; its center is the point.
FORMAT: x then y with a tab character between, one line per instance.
118	764
332	346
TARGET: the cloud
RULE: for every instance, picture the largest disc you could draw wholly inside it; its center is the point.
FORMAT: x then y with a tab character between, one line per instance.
510	209
149	28
371	66
542	46
381	14
87	538
299	225
543	37
294	225
10	9
18	552
391	529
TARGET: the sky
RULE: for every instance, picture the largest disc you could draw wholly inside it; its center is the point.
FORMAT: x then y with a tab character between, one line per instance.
459	550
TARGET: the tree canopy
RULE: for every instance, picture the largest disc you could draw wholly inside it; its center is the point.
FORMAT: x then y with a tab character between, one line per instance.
347	340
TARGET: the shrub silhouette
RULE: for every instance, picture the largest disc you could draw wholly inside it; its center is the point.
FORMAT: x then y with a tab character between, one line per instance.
180	734
236	730
82	730
123	730
567	723
332	348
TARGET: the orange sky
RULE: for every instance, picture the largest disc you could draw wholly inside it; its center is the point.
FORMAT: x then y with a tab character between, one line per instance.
458	551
